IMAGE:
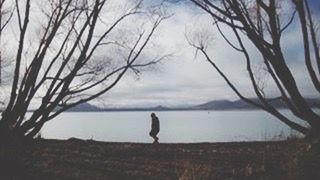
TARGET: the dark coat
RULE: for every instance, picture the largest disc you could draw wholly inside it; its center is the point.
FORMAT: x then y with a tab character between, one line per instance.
155	124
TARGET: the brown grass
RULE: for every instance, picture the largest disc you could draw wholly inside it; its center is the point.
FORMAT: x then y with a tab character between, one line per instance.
79	159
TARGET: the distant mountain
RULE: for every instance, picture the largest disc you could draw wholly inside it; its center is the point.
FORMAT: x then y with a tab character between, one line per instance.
218	105
240	104
161	108
84	107
211	105
156	108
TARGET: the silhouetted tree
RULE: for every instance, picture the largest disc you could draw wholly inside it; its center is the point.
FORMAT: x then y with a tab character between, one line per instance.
80	53
263	23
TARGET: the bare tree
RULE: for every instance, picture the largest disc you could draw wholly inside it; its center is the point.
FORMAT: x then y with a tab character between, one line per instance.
78	55
263	23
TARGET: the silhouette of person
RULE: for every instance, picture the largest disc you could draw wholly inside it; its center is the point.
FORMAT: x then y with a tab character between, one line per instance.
155	127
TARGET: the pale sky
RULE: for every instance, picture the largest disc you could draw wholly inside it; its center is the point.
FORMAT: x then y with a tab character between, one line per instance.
185	79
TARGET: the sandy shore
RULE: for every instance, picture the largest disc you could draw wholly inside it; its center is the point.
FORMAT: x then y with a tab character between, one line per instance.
86	160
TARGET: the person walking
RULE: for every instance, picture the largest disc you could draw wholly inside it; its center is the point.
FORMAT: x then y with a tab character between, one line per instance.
155	127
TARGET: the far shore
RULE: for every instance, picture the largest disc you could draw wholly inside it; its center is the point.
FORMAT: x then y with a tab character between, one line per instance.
166	110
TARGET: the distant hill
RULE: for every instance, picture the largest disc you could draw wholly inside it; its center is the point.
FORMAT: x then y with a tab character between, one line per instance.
219	105
85	107
161	108
211	105
240	104
156	108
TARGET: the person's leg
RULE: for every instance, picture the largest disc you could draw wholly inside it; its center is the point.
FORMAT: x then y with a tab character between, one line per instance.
152	134
155	136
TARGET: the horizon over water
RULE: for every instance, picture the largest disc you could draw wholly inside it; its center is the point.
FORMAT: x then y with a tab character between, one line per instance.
175	126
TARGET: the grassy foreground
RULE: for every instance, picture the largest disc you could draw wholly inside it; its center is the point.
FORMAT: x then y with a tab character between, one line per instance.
90	160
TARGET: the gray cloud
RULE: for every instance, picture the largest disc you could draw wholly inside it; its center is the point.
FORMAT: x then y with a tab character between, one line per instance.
184	80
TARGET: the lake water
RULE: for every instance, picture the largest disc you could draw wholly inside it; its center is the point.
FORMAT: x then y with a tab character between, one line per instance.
175	126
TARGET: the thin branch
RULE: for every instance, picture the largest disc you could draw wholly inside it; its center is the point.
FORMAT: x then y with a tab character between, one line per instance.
290	22
156	24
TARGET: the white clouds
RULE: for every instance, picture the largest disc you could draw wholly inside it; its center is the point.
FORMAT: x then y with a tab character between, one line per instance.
182	79
186	80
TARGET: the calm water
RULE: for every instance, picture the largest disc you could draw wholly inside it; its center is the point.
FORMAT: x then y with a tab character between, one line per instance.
175	126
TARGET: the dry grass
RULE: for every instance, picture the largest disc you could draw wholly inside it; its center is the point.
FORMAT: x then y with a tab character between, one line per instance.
78	159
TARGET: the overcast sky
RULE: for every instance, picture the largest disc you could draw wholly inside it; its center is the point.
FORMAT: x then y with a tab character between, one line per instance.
185	79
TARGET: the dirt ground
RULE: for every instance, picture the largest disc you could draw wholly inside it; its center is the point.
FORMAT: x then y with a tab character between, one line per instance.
92	160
